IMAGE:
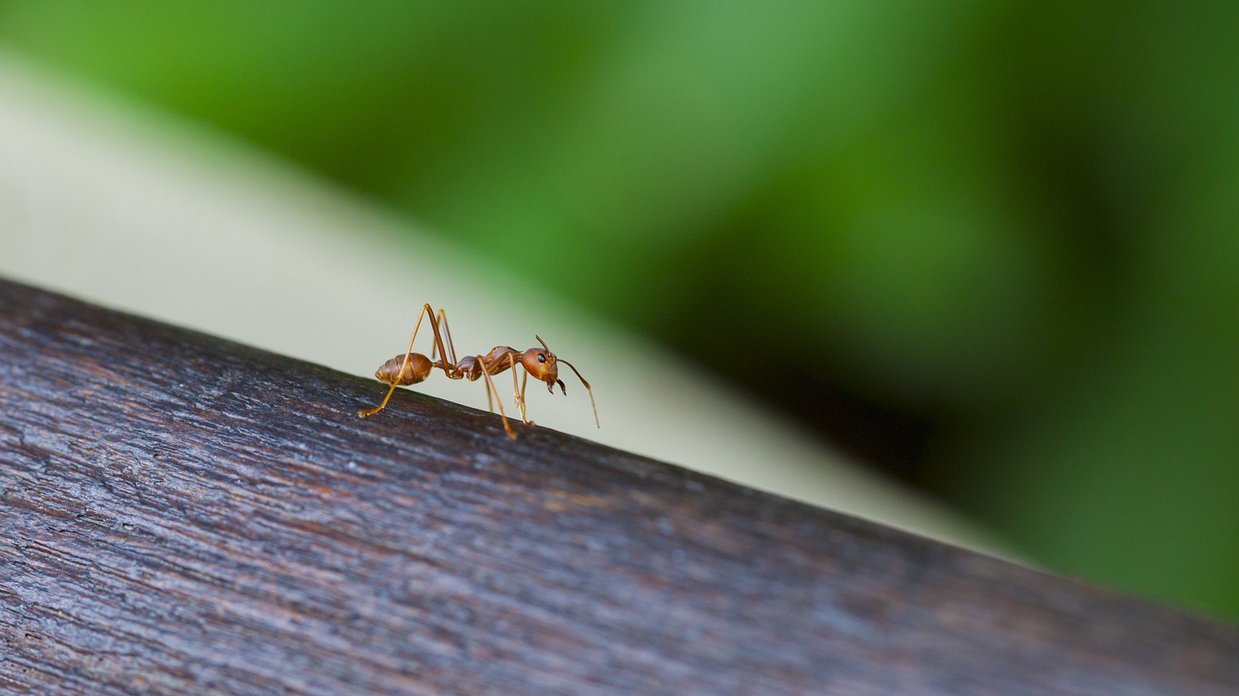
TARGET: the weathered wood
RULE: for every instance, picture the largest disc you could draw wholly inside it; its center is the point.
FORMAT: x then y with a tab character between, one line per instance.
181	514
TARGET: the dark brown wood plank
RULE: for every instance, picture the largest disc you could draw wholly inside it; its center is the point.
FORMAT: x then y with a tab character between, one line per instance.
182	514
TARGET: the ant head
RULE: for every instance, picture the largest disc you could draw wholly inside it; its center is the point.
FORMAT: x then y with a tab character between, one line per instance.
540	363
543	365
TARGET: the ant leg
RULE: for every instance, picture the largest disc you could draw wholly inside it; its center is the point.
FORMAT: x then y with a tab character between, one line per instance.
490	389
451	349
524	382
518	393
367	412
438	342
408	355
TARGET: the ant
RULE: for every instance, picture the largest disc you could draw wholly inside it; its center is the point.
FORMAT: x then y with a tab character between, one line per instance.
412	368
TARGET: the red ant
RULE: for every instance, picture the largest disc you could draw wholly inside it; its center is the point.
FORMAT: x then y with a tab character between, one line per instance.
412	368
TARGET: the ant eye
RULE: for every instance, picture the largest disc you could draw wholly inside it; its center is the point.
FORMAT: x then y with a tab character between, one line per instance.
541	357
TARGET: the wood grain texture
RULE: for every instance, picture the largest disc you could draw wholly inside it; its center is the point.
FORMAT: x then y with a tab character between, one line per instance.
182	514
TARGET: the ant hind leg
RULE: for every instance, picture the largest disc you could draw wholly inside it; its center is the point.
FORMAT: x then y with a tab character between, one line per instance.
408	355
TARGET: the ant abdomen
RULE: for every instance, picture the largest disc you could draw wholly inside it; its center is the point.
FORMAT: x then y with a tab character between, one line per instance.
416	370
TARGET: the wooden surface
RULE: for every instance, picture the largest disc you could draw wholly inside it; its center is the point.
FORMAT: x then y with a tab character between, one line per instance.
181	514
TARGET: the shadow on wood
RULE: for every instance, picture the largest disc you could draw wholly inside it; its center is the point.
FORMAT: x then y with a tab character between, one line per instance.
181	514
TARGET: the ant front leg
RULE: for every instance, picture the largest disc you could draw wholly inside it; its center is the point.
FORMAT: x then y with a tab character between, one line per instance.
518	393
525	381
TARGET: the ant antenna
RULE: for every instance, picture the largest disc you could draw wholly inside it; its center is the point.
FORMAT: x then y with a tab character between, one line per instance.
587	390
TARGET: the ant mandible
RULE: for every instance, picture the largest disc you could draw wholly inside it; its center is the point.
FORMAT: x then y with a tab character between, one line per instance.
412	368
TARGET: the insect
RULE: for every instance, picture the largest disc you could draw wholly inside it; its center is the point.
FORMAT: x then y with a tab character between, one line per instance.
411	368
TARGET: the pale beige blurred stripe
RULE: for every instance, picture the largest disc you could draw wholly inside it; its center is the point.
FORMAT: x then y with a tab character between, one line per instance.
139	212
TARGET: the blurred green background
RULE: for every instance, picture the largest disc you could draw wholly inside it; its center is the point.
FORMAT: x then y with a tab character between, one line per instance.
987	247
